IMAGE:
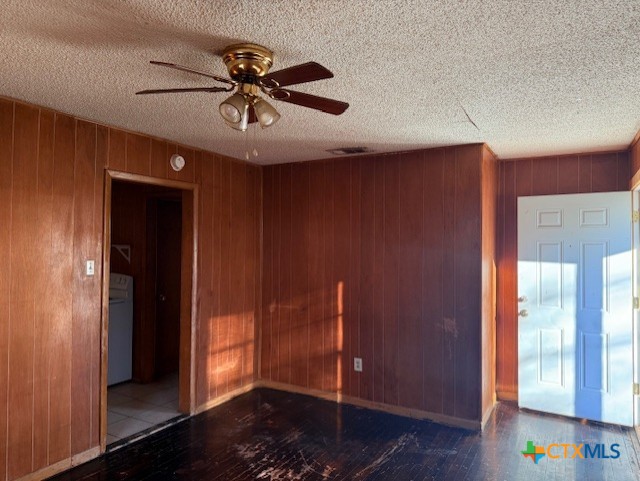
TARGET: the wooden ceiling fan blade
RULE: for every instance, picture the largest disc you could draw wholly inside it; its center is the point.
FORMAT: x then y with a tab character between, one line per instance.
190	70
329	106
175	91
298	74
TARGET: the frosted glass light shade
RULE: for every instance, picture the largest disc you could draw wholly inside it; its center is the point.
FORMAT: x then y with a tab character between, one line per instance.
233	108
267	115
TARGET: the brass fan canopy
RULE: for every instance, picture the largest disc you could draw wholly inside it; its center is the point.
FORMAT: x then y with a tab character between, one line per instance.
247	59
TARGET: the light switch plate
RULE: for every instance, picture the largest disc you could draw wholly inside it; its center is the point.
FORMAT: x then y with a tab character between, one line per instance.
357	364
91	268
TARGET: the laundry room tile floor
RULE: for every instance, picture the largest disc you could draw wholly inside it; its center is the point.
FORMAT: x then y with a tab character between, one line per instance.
133	407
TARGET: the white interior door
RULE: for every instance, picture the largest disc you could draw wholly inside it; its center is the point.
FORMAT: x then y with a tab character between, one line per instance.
575	345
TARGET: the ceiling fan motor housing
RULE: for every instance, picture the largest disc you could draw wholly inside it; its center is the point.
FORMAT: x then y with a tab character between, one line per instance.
247	61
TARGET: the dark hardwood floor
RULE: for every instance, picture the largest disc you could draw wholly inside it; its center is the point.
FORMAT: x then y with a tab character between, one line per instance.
271	435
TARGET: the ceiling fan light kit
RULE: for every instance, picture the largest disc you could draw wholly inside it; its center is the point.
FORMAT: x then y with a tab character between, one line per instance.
233	108
248	65
266	113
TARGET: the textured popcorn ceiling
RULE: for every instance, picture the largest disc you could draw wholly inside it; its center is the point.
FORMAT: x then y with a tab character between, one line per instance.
535	77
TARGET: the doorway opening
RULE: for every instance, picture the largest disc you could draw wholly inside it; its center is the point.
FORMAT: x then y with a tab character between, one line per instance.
147	314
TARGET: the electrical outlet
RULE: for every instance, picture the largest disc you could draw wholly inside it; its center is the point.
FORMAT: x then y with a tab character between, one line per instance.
91	268
357	364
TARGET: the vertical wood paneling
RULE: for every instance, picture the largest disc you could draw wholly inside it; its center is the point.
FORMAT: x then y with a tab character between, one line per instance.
569	175
22	307
368	262
237	246
378	279
604	169
524	179
432	276
584	173
391	248
313	210
6	176
84	287
61	278
285	304
353	282
545	176
338	362
467	268
51	211
43	291
390	293
205	286
159	159
301	296
224	345
138	154
624	170
117	150
251	255
274	302
507	353
411	268
268	300
215	349
448	322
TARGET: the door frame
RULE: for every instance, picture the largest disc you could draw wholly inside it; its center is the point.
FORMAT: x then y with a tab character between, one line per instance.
188	299
635	239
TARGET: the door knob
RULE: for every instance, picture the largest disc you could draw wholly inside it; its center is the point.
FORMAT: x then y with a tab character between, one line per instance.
522	299
523	313
162	298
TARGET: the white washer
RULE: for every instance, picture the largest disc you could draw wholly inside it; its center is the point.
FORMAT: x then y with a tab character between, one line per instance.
119	366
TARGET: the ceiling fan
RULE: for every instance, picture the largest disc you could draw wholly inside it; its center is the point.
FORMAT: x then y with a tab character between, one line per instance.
248	65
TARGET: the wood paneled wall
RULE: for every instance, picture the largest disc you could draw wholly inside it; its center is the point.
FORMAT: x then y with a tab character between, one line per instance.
584	173
51	210
489	186
380	258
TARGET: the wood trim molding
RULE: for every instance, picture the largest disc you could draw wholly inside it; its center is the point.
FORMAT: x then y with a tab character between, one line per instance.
572	154
636	139
144	179
634	183
63	465
487	416
507	395
397	410
224	398
495	156
104	324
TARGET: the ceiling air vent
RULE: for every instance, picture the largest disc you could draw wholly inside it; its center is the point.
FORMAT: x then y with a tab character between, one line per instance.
350	150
